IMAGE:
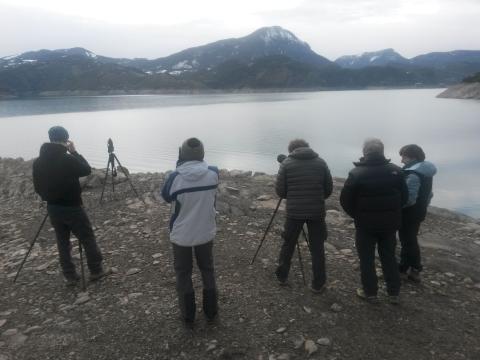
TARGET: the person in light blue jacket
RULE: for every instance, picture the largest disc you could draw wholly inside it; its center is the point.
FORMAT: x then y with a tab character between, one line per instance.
191	189
419	177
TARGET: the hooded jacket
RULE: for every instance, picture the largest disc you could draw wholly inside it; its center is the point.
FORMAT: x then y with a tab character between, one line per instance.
374	194
419	179
305	181
56	174
191	189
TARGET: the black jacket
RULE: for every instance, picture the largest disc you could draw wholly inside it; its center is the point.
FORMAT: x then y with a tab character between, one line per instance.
374	193
305	181
56	173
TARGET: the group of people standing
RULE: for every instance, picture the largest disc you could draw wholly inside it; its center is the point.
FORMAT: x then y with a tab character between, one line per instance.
381	198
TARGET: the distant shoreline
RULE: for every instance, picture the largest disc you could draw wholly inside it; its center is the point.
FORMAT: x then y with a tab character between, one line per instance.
73	93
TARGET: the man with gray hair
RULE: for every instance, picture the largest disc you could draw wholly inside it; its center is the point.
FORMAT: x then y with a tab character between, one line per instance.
373	195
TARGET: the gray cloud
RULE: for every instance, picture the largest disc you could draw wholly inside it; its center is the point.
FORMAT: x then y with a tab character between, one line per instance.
332	28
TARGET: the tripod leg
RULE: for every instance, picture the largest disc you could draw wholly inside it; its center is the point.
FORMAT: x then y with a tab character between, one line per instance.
301	263
84	287
31	247
266	231
105	181
129	180
112	163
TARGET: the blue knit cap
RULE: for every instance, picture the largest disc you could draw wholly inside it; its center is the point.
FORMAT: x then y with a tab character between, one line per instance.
58	134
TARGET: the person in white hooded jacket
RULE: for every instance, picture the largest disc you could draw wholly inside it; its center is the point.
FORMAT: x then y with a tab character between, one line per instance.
191	189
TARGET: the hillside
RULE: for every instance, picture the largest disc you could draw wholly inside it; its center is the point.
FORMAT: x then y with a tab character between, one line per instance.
133	313
468	89
268	59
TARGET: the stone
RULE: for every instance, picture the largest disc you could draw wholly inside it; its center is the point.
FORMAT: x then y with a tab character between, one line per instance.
10	332
156	255
310	347
336	307
132	271
32	329
2	322
212	345
307	309
232	190
264	197
346	251
283	356
82	299
281	330
324	341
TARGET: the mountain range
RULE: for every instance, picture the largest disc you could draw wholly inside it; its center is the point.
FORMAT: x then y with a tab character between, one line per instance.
269	58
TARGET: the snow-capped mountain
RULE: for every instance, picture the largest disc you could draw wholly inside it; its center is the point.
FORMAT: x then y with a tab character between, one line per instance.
267	41
376	58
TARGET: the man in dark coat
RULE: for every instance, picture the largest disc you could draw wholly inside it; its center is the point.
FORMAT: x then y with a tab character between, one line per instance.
305	181
373	195
55	178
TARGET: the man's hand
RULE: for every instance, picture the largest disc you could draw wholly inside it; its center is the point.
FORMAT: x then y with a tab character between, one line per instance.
70	146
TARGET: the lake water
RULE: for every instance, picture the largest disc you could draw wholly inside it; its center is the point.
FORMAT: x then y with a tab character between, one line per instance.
247	131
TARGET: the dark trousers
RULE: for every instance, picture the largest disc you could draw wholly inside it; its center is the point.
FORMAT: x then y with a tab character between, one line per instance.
410	250
317	234
183	264
73	219
366	241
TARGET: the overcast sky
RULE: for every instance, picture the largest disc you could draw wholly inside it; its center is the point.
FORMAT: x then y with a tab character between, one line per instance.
157	28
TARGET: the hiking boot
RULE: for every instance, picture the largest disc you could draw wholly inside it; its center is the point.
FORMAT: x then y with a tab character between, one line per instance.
394	299
414	275
281	280
369	298
317	290
72	279
210	304
105	271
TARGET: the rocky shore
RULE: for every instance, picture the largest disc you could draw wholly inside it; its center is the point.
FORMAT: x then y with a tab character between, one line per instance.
133	313
462	91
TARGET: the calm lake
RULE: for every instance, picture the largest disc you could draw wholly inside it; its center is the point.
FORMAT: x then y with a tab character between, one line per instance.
247	131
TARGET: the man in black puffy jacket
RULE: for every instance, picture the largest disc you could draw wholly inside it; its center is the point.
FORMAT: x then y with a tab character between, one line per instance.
305	181
373	195
55	178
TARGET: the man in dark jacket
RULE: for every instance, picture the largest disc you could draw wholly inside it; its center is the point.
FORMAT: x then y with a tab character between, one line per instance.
373	195
419	177
305	181
55	178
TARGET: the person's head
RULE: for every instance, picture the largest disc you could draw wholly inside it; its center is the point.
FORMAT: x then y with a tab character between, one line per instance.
411	153
373	147
58	134
297	143
191	149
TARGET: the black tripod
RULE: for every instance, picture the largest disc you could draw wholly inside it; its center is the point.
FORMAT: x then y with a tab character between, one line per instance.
84	287
111	167
298	246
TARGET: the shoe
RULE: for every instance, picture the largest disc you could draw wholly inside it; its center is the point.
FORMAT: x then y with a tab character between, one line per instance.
281	280
72	280
316	290
394	299
101	274
210	304
369	298
414	275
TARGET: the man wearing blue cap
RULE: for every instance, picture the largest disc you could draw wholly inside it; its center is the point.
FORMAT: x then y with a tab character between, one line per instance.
55	178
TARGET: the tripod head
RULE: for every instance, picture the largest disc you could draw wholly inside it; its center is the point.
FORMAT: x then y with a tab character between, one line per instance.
110	146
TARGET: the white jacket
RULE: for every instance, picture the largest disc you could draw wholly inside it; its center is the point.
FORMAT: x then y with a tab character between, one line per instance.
192	189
